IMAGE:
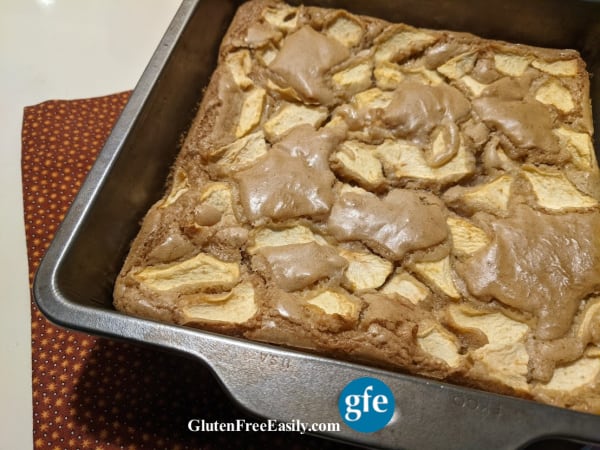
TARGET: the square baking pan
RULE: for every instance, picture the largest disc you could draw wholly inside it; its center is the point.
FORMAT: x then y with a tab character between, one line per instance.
74	283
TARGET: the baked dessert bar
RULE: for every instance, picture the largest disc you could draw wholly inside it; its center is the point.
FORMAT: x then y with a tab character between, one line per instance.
414	199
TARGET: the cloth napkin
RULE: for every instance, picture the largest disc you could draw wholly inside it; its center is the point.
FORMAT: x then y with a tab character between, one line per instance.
91	392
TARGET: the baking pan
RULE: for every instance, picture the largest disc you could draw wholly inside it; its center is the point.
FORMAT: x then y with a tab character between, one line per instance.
73	285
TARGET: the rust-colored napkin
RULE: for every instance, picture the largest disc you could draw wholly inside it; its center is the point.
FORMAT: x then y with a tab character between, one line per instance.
94	393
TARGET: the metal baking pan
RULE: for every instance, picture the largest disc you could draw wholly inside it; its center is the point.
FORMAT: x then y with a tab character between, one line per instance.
73	286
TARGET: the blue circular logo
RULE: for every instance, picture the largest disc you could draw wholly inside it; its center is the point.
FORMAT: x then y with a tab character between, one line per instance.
366	404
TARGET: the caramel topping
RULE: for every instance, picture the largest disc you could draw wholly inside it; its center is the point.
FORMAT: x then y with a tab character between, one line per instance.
526	123
421	113
172	247
417	108
509	88
485	71
313	146
259	34
297	266
228	94
440	53
422	199
303	60
402	221
540	263
266	189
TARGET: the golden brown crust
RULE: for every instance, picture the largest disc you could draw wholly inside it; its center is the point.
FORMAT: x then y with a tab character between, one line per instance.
413	199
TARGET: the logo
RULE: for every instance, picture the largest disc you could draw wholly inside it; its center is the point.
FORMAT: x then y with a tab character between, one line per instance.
366	404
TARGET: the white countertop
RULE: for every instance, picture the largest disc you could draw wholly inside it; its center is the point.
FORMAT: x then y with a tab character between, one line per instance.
53	49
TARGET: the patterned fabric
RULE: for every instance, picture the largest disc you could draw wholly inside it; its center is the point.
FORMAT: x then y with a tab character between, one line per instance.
94	393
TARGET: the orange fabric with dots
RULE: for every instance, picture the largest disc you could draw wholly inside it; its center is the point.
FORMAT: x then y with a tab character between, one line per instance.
94	393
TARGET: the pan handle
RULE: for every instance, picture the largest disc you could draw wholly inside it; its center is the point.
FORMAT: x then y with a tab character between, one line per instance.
291	386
